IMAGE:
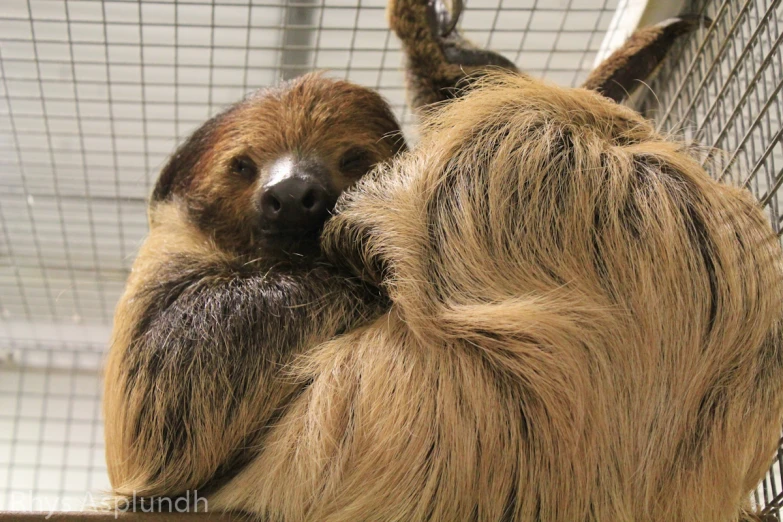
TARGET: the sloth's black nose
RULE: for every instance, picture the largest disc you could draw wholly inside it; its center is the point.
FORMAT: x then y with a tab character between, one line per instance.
295	203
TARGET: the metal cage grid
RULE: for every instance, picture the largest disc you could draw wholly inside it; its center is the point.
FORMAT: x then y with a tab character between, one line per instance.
51	432
95	94
723	90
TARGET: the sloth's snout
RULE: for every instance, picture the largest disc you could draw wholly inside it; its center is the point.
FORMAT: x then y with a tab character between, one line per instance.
295	203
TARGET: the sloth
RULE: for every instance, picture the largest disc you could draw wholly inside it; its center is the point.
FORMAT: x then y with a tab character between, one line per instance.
379	372
230	284
584	326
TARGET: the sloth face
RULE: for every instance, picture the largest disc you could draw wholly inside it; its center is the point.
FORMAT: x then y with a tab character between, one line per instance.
264	176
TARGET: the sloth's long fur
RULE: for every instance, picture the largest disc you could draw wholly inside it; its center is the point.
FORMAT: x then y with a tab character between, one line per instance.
585	327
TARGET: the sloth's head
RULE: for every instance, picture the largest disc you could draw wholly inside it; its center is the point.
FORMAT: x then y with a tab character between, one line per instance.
264	175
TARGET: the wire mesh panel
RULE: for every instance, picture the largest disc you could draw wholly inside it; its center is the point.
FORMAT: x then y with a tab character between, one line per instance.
94	95
722	89
51	433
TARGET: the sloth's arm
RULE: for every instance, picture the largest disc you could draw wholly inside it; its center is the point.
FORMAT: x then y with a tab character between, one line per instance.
439	60
194	377
626	68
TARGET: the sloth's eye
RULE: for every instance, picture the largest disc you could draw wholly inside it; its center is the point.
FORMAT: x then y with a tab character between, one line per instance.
356	159
244	166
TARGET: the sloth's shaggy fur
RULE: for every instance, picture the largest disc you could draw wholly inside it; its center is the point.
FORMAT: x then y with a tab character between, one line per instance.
585	327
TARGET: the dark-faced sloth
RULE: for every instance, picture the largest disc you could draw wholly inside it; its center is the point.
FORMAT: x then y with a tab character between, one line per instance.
568	315
230	286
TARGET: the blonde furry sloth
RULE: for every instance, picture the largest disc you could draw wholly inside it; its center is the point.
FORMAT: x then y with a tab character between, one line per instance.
584	327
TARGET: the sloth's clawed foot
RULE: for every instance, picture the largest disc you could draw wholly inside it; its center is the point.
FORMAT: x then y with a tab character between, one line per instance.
442	21
456	49
439	59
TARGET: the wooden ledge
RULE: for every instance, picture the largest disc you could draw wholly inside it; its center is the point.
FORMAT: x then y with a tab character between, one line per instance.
107	516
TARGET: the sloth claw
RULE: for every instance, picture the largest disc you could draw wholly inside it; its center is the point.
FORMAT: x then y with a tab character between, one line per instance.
438	58
442	21
457	50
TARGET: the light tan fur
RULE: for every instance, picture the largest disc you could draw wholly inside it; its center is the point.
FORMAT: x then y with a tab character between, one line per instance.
585	327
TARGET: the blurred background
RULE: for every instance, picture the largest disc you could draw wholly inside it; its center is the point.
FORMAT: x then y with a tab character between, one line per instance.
94	96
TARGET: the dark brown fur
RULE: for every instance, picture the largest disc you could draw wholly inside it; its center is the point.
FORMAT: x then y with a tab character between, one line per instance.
626	68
